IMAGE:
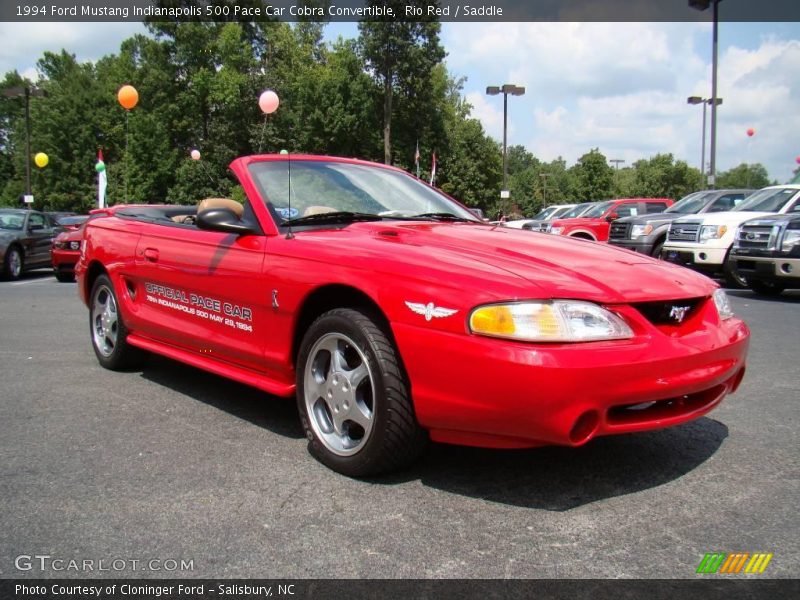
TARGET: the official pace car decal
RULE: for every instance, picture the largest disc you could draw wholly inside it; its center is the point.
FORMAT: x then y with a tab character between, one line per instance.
203	307
430	310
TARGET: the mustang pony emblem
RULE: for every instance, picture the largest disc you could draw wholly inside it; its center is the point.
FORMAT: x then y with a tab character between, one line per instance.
678	313
430	310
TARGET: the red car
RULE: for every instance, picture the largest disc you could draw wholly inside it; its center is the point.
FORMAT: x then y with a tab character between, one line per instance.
66	249
595	223
394	315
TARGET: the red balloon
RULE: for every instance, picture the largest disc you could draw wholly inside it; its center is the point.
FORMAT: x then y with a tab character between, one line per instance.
751	132
797	160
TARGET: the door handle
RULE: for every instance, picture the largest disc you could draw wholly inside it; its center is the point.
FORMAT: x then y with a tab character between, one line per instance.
151	254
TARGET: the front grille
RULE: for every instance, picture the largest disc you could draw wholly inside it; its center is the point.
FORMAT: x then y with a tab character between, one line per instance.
673	312
683	232
756	237
619	231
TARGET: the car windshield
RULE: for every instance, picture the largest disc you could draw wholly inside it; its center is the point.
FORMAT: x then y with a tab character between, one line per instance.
691	204
767	200
577	211
12	221
597	210
560	212
347	190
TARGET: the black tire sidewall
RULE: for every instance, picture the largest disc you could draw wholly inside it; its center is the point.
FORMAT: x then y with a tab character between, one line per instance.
366	460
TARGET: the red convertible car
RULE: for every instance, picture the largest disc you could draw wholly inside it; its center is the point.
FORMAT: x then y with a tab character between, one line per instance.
395	316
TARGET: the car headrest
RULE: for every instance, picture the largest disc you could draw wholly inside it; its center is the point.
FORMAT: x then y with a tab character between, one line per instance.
317	210
233	205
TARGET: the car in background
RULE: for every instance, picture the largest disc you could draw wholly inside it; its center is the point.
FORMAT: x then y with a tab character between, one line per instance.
647	233
766	253
703	242
594	224
25	240
66	249
73	221
551	212
544	224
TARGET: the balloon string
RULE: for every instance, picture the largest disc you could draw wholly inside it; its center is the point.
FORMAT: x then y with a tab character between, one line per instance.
208	173
263	131
127	158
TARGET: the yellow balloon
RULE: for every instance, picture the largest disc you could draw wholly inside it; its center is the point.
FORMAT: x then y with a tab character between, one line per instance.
41	159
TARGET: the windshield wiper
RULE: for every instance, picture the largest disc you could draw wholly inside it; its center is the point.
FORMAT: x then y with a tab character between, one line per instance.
442	216
333	217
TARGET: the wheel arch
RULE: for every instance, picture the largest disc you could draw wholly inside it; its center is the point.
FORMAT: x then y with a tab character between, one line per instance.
93	271
582	234
328	297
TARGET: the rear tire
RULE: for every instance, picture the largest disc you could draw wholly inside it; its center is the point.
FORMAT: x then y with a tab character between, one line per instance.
656	253
107	329
354	398
766	288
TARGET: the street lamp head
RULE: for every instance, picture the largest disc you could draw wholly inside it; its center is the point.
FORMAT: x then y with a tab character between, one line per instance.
700	4
695	100
493	90
514	90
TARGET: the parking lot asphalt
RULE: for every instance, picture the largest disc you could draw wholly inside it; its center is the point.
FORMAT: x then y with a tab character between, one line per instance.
171	463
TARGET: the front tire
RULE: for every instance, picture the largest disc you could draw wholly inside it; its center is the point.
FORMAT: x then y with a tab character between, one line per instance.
108	332
353	396
732	279
65	276
13	264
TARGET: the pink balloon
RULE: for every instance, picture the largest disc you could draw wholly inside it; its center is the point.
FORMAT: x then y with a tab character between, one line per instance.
268	102
751	132
797	160
195	154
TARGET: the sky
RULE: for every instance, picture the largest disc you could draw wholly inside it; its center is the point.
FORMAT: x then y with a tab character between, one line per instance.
618	87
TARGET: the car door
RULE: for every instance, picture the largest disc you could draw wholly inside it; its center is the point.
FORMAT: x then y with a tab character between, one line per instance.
38	240
203	291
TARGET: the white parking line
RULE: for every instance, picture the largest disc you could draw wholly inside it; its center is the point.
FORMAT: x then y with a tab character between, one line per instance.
27	281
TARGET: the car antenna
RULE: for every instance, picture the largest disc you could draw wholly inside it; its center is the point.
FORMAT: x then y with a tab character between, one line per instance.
289	234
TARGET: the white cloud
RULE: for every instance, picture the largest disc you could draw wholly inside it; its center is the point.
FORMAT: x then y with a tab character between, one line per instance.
622	87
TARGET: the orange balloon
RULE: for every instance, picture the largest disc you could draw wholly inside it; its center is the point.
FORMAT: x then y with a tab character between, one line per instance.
128	97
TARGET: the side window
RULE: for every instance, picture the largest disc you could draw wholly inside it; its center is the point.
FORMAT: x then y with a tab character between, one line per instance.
36	219
796	207
656	207
627	210
726	202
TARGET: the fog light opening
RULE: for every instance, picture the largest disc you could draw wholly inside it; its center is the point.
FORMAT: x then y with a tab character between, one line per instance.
703	256
786	268
584	428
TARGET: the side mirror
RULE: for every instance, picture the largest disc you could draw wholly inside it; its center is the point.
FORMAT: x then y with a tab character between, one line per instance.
612	217
222	219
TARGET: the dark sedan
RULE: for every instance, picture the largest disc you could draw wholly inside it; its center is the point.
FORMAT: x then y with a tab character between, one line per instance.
25	240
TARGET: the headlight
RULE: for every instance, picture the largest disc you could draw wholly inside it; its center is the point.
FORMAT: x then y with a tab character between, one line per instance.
549	321
724	308
555	230
790	239
640	230
60	245
75	245
712	232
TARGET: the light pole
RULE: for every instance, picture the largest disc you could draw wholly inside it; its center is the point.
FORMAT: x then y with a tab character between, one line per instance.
514	90
616	162
544	177
703	5
705	102
25	92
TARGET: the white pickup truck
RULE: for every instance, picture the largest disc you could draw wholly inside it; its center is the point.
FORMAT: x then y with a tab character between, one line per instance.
703	242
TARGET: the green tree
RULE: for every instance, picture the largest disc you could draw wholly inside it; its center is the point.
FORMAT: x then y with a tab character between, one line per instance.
663	177
744	176
594	178
401	56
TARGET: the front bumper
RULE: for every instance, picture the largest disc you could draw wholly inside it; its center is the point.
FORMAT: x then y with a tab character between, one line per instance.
637	246
65	260
705	260
474	390
783	271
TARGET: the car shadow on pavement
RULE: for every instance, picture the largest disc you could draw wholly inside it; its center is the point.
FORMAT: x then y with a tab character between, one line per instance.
558	478
275	414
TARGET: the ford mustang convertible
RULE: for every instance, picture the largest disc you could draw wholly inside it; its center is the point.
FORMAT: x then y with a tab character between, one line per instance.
395	316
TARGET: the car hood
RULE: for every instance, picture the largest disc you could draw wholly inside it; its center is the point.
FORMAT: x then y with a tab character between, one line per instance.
653	219
730	218
506	262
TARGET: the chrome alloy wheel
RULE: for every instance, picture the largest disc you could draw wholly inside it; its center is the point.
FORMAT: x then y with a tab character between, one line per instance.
105	321
339	392
14	263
